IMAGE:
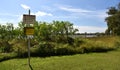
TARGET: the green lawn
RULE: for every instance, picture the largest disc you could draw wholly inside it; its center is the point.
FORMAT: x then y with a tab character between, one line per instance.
91	61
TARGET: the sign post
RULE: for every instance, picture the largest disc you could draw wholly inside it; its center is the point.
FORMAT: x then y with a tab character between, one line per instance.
28	50
28	30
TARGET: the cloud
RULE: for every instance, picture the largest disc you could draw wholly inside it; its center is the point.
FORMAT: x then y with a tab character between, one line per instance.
10	18
41	13
25	6
90	29
69	9
3	21
100	14
8	15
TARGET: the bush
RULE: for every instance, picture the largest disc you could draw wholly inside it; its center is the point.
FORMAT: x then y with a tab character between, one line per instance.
64	49
117	42
82	45
19	47
52	49
73	46
78	42
43	49
70	40
5	47
99	45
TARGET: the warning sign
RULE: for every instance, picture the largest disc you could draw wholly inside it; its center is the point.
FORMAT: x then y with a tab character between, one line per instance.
29	30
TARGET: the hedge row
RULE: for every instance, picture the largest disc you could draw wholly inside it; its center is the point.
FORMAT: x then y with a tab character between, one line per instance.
79	46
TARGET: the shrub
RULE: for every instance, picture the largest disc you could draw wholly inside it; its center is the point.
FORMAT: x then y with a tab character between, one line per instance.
51	49
5	47
64	49
73	46
82	45
19	47
70	40
117	42
98	45
44	49
78	42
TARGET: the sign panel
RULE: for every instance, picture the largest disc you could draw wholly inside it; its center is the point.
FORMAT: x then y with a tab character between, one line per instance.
29	30
29	19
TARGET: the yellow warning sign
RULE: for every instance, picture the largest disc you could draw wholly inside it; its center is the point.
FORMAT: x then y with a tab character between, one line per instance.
29	30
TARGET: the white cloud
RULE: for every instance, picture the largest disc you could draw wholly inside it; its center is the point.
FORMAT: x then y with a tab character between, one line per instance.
41	13
25	6
10	18
100	14
90	29
4	21
69	9
8	14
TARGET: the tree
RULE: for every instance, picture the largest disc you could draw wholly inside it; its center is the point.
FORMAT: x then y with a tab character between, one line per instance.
55	31
113	20
9	29
62	30
2	31
45	31
6	31
20	28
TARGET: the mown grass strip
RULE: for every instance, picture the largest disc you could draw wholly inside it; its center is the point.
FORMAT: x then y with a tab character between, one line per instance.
91	61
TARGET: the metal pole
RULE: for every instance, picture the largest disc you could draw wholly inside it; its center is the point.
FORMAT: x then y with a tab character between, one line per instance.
29	11
28	50
28	43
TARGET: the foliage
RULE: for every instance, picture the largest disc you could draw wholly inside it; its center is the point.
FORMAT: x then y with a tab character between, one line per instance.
112	20
52	39
6	31
19	46
82	45
57	31
102	44
5	47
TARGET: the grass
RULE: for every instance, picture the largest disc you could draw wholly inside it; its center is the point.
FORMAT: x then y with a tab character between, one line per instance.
92	61
7	56
100	44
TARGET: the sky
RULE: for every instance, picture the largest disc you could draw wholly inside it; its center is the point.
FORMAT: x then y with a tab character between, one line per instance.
86	15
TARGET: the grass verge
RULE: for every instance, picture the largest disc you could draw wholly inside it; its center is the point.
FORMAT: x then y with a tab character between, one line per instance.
91	61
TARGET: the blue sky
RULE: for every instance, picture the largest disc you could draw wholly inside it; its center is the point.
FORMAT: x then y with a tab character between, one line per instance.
86	15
